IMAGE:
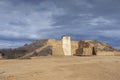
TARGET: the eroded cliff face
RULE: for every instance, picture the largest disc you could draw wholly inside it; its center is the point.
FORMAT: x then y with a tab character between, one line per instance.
52	47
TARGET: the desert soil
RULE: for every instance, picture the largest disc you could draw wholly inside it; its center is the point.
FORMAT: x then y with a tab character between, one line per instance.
61	68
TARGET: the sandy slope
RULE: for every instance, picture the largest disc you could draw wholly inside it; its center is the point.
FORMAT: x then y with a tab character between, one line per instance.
62	68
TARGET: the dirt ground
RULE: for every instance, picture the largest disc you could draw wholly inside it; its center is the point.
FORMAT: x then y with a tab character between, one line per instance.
61	68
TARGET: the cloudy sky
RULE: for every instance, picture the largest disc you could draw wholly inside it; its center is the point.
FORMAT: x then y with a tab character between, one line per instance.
23	21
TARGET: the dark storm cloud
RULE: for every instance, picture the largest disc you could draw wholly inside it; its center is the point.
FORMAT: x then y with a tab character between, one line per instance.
27	20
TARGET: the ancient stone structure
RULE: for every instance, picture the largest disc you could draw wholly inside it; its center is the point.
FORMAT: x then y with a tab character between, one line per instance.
87	51
92	47
56	47
105	53
66	45
1	56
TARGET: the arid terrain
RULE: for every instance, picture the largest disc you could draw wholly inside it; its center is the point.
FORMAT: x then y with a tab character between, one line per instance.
61	68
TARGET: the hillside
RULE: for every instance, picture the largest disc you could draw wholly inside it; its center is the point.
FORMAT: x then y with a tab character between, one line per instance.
21	51
47	47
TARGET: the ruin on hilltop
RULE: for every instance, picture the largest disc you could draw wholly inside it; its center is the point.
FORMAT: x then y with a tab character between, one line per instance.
64	47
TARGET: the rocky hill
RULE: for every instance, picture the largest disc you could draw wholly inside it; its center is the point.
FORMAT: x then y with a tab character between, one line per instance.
47	47
21	51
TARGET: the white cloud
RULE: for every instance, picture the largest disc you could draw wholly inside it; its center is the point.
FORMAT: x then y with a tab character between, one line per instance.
83	3
85	15
100	21
110	33
12	44
8	33
26	20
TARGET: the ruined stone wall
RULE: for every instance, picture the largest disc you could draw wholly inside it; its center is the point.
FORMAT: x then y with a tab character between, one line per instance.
117	53
104	53
1	56
57	49
84	48
65	47
87	51
74	47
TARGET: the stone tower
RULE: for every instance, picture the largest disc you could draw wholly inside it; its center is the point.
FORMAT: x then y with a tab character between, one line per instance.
66	45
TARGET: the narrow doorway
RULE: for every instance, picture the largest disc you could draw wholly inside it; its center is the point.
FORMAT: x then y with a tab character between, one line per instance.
94	52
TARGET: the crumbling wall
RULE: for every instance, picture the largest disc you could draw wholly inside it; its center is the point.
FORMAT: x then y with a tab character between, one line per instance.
60	48
1	56
117	53
85	48
74	47
87	51
105	53
92	47
57	49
